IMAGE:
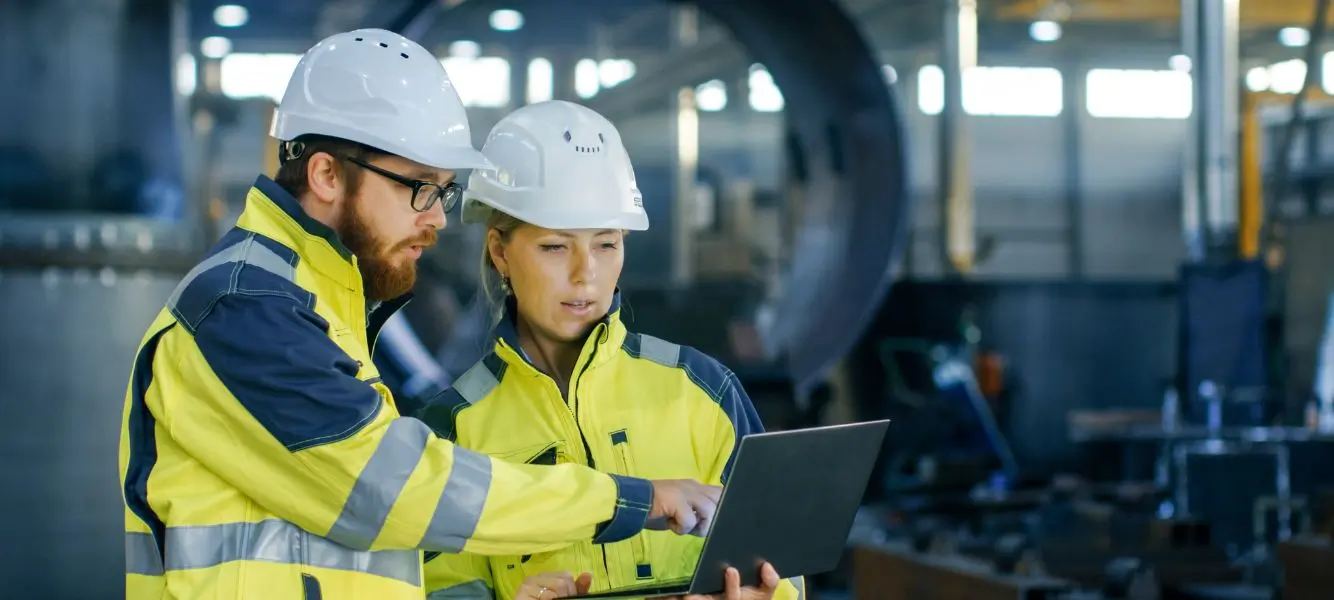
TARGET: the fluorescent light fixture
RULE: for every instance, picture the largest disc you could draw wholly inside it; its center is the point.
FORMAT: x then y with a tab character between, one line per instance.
711	96
506	20
230	15
1045	31
465	49
1294	37
215	47
1179	62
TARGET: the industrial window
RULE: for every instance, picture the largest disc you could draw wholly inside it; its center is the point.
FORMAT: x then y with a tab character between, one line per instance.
483	81
591	76
541	81
243	75
1138	94
997	91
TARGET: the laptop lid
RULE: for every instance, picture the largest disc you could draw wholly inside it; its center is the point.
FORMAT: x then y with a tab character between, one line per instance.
791	500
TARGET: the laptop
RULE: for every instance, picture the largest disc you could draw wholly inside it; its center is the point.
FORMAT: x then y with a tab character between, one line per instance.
790	501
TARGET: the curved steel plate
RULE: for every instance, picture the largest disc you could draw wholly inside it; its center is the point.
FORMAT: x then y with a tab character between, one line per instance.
846	125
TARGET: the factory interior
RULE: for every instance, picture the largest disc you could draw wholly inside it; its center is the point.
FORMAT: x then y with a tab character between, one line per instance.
1070	248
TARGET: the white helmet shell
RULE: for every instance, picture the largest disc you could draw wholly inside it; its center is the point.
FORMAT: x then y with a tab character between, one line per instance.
381	89
558	165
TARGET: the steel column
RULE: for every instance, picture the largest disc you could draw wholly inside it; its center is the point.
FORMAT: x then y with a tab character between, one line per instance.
1209	32
958	54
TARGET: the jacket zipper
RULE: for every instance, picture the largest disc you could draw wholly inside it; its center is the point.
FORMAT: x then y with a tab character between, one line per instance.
573	406
620	443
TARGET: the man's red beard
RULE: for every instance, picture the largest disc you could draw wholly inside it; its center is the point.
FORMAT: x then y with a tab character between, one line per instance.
381	277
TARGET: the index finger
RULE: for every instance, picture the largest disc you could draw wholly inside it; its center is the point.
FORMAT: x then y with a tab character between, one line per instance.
733	585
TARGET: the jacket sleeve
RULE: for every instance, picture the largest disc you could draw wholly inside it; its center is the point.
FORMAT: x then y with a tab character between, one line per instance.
458	577
736	420
275	408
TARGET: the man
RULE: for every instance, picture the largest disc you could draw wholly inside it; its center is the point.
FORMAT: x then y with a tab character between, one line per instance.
261	456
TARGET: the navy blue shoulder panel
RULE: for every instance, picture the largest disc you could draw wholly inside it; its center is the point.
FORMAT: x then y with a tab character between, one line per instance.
243	262
261	336
441	412
716	380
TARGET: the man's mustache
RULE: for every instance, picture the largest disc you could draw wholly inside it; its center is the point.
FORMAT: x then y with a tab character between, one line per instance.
425	240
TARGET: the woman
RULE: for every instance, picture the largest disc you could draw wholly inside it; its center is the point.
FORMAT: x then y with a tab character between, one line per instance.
566	382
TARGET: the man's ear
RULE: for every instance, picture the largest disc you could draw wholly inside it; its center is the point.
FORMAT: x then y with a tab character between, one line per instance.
325	178
495	246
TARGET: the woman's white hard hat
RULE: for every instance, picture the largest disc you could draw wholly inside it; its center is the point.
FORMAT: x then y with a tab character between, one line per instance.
558	165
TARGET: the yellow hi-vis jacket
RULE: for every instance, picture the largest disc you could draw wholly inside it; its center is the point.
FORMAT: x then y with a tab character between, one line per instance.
637	406
261	457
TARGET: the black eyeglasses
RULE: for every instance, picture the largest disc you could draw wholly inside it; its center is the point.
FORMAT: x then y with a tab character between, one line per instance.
424	193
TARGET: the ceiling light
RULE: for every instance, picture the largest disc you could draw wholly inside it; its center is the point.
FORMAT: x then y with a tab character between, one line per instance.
230	15
1045	31
1294	37
1179	62
506	20
215	47
711	96
465	49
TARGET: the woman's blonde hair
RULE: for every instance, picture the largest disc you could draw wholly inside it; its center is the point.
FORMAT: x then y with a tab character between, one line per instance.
494	289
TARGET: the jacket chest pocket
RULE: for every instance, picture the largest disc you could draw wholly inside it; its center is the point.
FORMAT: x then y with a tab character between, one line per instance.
355	348
625	465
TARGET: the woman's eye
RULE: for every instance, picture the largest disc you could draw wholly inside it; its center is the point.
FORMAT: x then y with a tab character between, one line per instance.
552	247
609	245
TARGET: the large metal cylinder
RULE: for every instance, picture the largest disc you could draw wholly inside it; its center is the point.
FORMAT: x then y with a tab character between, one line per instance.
76	295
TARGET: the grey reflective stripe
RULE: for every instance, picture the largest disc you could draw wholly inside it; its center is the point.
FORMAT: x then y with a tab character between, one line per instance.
475	383
379	484
461	503
473	590
800	584
659	351
246	251
275	541
141	554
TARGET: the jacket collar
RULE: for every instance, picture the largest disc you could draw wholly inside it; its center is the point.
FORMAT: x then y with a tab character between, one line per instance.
606	337
271	211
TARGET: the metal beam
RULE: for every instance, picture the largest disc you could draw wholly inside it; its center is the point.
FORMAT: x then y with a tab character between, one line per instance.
713	56
1255	14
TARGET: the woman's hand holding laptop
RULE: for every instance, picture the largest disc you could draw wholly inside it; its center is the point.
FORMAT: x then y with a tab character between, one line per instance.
549	586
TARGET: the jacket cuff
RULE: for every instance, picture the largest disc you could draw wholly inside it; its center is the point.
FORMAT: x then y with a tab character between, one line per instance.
634	500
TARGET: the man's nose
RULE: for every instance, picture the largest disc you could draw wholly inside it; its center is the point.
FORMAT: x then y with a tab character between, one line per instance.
435	217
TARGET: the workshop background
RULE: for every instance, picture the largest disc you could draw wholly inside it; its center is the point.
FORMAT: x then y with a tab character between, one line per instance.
1080	251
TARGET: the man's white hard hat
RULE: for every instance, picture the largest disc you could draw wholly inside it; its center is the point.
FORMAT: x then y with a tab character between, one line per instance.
383	90
558	165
